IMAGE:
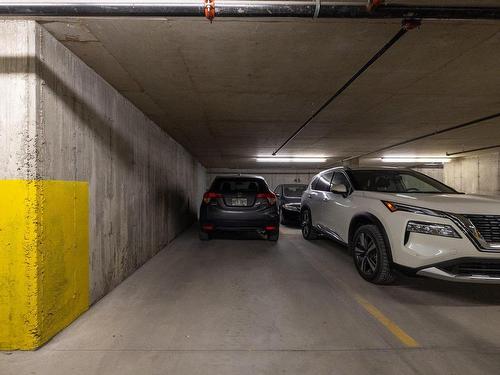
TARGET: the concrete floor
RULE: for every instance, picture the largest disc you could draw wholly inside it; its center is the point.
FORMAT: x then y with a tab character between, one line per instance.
254	307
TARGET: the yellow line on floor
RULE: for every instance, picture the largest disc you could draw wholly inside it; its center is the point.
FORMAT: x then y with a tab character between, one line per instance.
397	331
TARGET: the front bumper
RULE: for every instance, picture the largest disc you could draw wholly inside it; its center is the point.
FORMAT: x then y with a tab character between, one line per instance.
466	270
417	251
437	273
291	213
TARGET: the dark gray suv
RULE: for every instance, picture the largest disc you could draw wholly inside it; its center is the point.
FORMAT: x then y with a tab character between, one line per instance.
239	203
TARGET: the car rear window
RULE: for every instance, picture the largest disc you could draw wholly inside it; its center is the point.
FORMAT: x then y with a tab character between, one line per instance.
293	191
239	185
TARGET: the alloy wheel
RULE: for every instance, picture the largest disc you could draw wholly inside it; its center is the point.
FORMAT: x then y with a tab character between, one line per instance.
366	254
305	223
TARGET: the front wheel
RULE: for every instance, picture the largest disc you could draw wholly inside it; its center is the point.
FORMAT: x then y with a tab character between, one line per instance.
282	219
371	255
308	231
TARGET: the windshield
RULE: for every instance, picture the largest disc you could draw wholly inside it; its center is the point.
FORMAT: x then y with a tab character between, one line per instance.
394	181
293	191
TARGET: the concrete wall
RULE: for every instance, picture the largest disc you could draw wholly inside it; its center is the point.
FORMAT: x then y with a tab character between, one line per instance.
274	177
478	174
17	98
103	189
435	173
144	186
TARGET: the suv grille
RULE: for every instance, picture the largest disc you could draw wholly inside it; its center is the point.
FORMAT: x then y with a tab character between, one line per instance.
491	268
487	225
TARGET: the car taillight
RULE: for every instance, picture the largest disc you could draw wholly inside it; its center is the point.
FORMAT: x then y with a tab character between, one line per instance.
209	195
271	197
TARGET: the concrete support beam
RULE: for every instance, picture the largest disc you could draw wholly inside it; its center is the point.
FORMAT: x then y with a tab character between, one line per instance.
90	188
351	163
479	174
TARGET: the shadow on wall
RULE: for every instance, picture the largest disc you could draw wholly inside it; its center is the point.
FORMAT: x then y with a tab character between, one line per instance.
96	122
169	205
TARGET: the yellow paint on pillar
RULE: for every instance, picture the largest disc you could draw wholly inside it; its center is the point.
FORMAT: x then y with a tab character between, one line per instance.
44	281
18	259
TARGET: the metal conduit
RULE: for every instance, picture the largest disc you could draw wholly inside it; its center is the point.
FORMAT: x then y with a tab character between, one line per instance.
249	8
407	25
411	140
472	150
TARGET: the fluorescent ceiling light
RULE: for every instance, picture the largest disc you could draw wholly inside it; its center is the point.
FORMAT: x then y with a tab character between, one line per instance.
415	159
290	160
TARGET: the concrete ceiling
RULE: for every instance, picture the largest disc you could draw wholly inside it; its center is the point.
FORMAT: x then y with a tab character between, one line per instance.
235	89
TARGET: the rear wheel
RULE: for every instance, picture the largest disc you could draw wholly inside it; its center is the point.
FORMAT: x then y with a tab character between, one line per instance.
308	231
273	236
203	236
371	255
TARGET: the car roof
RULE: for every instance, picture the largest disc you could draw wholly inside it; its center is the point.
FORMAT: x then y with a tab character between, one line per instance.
378	168
375	168
240	176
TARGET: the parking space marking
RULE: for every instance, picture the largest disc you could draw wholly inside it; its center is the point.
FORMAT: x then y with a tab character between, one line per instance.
397	331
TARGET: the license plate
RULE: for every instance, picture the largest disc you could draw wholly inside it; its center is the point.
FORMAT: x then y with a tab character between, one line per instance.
238	201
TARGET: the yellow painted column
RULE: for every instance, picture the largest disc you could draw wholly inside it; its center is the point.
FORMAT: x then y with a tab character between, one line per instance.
44	274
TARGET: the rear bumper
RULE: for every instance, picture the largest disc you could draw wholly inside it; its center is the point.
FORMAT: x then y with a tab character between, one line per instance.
244	220
242	228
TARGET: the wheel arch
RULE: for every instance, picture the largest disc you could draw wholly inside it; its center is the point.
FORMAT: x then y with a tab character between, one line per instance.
367	218
304	207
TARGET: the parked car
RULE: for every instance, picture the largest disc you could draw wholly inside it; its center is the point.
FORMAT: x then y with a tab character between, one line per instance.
289	196
239	203
401	219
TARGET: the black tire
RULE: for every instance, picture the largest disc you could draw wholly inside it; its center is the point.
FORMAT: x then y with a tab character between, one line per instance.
203	236
274	236
371	255
282	218
308	231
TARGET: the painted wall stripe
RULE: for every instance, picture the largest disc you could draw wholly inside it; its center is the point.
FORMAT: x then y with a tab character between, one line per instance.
44	270
398	332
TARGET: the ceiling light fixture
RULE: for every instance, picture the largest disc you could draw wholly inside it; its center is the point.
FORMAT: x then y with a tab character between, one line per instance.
415	159
290	160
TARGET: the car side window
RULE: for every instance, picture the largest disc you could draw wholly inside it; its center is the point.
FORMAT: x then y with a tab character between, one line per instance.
340	178
313	183
323	182
277	190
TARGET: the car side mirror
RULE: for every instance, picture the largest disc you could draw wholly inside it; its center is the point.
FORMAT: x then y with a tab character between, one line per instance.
339	189
278	195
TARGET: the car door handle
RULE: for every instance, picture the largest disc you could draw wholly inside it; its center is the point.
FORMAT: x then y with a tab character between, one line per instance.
325	199
309	195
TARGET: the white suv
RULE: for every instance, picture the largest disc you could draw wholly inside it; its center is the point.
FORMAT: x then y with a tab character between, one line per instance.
401	219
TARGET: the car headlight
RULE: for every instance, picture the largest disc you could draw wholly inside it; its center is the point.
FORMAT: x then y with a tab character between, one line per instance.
434	229
394	207
465	225
291	207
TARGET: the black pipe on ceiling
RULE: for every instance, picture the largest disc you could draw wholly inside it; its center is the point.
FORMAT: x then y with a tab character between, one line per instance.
249	8
472	150
437	132
402	31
